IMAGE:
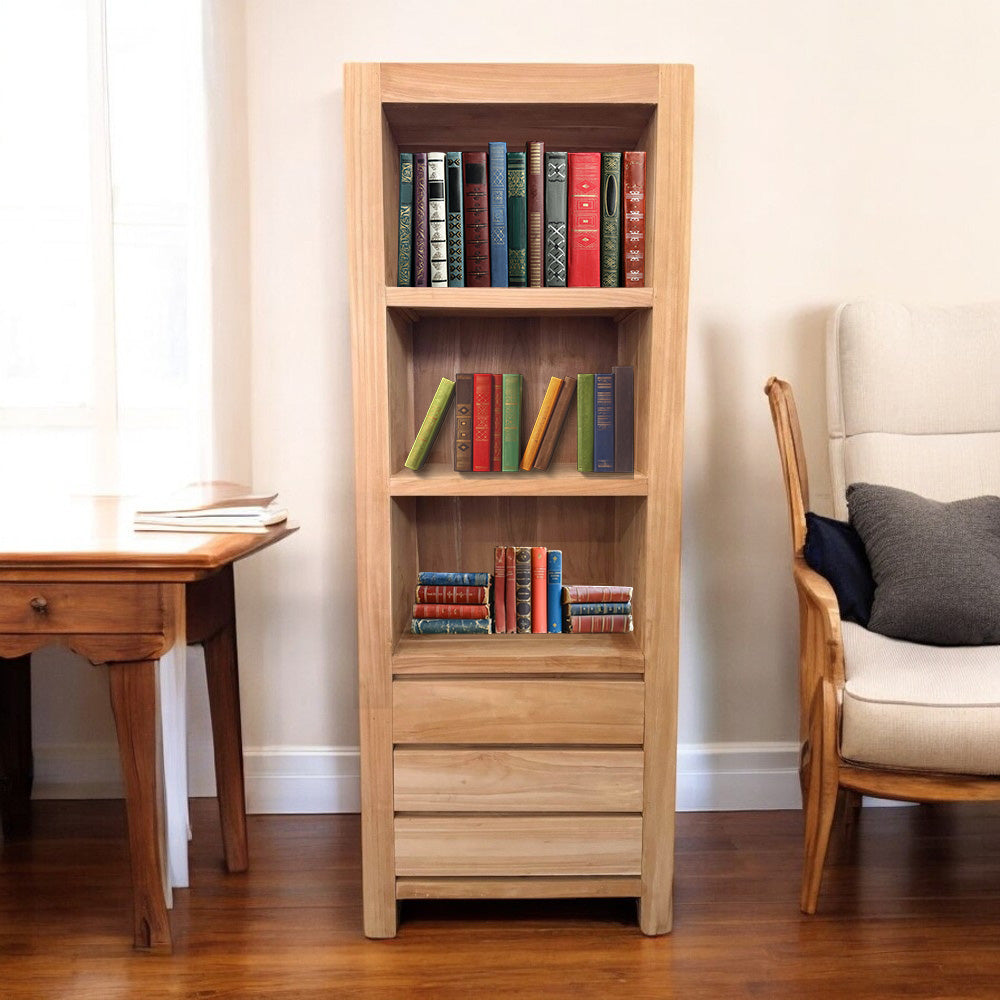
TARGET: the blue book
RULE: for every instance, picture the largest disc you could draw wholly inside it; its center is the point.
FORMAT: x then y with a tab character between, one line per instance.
604	423
453	579
456	219
450	626
498	214
601	609
553	578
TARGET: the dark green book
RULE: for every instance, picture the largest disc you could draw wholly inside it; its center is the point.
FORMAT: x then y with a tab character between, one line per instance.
404	262
611	219
585	422
517	221
510	455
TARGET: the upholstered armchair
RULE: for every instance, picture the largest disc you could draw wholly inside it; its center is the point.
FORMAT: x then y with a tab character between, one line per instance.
913	403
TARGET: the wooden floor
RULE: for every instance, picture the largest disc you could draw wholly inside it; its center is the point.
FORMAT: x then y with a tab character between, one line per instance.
910	907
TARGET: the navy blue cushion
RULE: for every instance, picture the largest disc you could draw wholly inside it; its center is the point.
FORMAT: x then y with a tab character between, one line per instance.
835	550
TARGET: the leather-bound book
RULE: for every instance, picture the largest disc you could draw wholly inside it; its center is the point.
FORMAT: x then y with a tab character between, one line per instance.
463	422
456	221
624	418
600	623
583	268
451	594
556	168
498	214
604	422
517	222
437	221
474	611
421	264
535	152
634	219
541	422
510	599
522	582
511	453
499	589
450	626
477	221
539	590
404	259
554	429
482	422
496	460
611	219
585	593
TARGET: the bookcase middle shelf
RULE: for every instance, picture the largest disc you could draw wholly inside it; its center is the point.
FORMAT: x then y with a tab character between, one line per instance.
559	481
615	303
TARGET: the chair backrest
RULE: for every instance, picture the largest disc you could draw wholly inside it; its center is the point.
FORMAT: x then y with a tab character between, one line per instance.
793	456
913	399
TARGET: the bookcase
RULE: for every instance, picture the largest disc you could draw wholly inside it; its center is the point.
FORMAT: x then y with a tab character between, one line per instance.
503	766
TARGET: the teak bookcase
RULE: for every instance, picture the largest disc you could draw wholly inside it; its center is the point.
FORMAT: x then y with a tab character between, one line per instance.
516	765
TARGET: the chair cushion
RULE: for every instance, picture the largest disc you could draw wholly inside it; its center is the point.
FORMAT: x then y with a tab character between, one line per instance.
936	565
918	707
835	550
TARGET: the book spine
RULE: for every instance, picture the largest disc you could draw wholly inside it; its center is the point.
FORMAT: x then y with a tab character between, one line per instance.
517	222
539	592
624	377
585	422
437	221
510	598
511	453
431	579
555	219
404	260
551	436
611	219
604	423
421	269
476	611
463	422
500	588
634	218
600	623
450	626
496	459
585	593
456	219
498	214
553	590
451	595
584	212
535	153
601	608
433	420
482	422
541	422
476	205
522	581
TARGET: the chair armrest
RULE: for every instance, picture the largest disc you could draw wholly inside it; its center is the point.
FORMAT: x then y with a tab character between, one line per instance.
822	648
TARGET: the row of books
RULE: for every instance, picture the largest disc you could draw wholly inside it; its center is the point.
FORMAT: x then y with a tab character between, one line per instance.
488	422
522	219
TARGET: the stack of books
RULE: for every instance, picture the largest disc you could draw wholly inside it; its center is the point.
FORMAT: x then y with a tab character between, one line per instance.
506	218
590	608
212	506
605	421
451	604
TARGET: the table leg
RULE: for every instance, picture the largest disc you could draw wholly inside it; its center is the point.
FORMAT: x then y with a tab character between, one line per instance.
16	761
133	699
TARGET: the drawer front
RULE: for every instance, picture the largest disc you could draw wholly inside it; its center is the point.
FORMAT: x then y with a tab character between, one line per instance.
517	780
518	845
80	608
517	711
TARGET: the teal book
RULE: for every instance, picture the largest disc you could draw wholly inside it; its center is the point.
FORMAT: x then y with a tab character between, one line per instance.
517	221
450	626
510	455
553	583
404	262
456	219
601	608
604	422
498	214
585	422
453	579
611	219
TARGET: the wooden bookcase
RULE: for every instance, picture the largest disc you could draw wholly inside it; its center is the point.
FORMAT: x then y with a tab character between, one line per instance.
516	766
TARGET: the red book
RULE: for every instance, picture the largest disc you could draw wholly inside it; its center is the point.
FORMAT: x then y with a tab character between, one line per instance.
499	590
539	590
497	462
600	623
482	422
536	210
588	594
634	215
584	220
474	611
511	595
427	594
477	223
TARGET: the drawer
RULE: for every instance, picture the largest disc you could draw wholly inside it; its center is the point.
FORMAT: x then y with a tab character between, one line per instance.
532	779
518	845
517	711
80	608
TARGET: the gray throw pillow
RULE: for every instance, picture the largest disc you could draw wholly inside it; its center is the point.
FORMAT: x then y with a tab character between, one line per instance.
936	565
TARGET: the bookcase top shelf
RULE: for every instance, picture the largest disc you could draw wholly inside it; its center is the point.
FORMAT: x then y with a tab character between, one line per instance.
557	481
614	302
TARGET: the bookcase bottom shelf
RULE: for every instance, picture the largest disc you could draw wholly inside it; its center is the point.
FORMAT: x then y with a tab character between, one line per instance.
553	887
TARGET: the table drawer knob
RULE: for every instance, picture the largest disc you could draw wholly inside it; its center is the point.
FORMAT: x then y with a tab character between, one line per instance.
40	605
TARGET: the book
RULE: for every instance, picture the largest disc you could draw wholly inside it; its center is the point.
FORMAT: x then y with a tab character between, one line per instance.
404	259
522	585
216	496
433	579
555	219
604	422
476	205
539	591
510	598
455	219
624	418
553	590
634	219
475	611
585	422
482	422
535	154
496	459
517	221
437	221
511	453
238	524
421	265
601	608
583	258
500	588
451	595
450	626
554	429
600	623
585	593
541	421
498	214
463	422
611	218
433	420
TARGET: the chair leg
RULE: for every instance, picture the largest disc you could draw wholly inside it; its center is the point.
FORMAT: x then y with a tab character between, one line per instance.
16	761
822	794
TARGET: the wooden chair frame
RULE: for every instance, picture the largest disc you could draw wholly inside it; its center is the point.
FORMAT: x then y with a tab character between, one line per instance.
824	774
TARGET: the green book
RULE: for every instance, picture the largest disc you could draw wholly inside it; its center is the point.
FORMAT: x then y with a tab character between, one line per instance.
510	456
431	425
585	423
611	219
517	221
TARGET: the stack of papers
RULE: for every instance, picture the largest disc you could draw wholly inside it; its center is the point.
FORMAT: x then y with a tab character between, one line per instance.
215	506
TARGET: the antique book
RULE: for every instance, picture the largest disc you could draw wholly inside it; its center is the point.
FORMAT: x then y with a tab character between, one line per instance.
421	265
554	429
510	598
451	595
500	588
455	219
498	214
404	259
634	219
535	153
437	223
475	611
450	626
541	422
555	219
624	418
539	590
517	222
496	460
585	422
463	422
601	608
511	422
611	219
522	583
430	578
600	623
476	206
586	593
432	422
583	265
482	422
553	590
604	422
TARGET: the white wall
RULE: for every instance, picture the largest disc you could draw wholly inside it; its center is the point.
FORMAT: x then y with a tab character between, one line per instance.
841	150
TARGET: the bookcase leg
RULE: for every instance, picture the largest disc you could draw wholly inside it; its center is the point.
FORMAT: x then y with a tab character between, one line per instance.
656	915
16	761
